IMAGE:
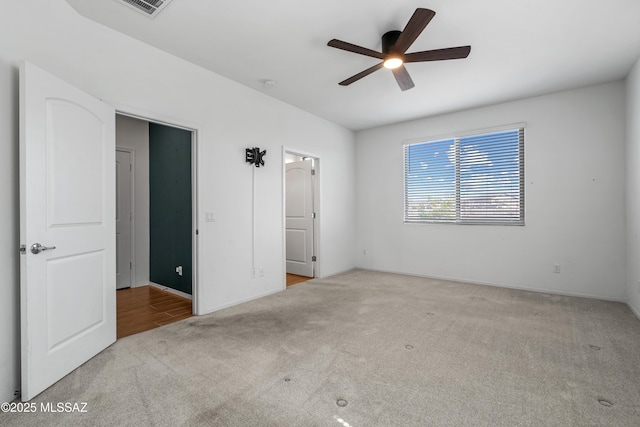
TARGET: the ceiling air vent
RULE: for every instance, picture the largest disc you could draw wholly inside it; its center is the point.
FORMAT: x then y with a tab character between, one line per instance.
148	7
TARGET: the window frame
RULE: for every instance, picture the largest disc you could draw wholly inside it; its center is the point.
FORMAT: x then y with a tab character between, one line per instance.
520	127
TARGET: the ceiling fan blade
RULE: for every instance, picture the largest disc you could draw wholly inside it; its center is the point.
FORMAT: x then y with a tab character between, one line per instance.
360	75
438	54
339	44
417	23
403	78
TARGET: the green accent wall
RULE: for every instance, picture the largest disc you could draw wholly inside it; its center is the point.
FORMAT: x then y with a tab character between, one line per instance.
170	216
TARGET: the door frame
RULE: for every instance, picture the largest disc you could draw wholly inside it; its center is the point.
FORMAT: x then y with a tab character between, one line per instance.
132	154
194	129
315	183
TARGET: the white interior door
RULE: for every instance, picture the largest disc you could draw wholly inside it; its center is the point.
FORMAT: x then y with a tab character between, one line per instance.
124	216
299	220
67	198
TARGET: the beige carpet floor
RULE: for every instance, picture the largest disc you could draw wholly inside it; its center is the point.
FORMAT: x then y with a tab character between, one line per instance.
369	349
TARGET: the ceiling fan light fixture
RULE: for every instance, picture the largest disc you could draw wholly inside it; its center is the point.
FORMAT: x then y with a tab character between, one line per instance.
393	62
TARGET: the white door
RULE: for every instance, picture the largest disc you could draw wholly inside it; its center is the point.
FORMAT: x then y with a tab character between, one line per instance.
299	221
67	198
124	216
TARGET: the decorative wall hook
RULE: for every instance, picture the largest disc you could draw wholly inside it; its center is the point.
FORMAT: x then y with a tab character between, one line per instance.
255	156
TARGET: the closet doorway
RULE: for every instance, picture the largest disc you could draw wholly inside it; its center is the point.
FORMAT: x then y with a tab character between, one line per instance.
155	239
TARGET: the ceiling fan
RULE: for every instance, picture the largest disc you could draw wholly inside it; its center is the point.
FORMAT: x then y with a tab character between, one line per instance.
394	46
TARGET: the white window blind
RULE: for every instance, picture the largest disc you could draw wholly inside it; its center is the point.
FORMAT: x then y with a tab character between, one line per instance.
477	179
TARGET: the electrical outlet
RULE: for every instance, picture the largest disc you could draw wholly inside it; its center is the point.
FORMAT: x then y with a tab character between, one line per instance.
556	268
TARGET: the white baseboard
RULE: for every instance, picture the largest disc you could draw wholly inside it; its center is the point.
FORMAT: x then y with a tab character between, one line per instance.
633	310
171	290
507	286
240	301
335	273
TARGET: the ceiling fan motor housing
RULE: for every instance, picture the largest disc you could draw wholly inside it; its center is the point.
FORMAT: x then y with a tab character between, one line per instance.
389	40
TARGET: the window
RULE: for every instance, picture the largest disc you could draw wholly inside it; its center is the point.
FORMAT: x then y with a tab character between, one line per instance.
477	179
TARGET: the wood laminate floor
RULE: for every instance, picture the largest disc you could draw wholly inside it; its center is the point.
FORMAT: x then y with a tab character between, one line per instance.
293	279
146	307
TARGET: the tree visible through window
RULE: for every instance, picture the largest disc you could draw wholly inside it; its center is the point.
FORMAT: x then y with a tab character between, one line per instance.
476	179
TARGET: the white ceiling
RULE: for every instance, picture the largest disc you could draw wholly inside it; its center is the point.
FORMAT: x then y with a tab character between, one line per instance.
520	48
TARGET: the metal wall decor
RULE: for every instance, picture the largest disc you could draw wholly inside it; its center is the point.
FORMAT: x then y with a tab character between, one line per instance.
255	156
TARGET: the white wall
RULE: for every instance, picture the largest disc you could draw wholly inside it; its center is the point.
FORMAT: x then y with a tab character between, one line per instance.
134	134
139	79
574	200
633	189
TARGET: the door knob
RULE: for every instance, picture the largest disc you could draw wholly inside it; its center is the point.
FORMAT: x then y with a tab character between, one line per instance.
36	248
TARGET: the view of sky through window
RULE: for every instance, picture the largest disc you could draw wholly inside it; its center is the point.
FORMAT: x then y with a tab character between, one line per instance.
475	178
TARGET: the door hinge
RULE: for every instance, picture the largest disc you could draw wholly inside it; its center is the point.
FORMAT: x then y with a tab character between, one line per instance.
313	171
314	258
23	249
313	215
130	167
130	266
